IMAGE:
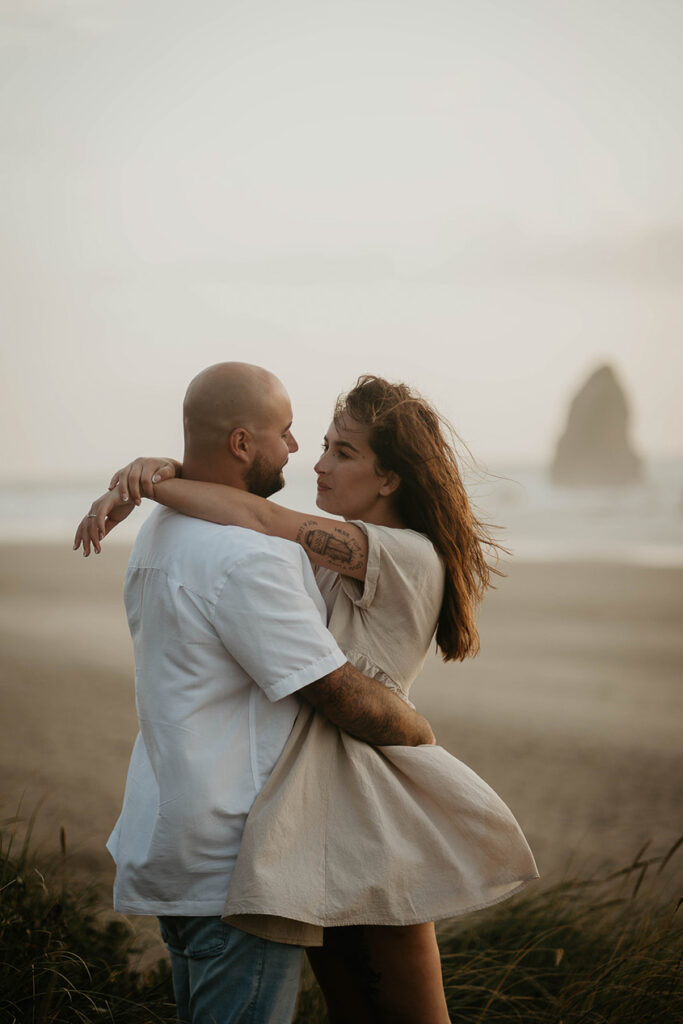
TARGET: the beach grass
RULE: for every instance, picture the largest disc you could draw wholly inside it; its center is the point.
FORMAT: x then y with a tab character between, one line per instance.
582	952
598	951
61	957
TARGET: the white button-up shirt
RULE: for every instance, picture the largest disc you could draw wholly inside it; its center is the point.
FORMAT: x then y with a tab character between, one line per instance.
227	625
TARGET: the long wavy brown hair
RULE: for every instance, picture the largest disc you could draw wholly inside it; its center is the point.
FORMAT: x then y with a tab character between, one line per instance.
412	440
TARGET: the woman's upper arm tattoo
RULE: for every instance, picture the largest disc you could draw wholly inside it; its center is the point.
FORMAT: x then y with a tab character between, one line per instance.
337	546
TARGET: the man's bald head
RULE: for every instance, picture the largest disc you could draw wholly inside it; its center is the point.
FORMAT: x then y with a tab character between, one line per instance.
226	396
238	420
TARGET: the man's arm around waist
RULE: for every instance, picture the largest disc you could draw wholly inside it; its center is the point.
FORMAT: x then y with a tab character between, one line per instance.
366	709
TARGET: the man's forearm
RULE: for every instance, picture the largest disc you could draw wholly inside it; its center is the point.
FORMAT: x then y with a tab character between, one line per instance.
366	709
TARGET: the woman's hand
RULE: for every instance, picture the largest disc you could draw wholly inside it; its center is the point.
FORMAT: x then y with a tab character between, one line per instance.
105	513
136	480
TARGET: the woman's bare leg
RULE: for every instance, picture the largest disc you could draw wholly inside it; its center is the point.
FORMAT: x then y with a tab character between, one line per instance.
409	966
383	975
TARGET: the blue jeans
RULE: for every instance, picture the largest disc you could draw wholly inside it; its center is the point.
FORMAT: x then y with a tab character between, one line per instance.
222	975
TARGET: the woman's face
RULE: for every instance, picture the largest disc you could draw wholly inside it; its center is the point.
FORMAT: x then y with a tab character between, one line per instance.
348	483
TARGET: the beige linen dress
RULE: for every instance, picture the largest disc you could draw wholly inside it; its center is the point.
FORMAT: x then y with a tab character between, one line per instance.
345	833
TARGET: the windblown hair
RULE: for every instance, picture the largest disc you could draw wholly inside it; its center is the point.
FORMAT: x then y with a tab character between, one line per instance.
410	439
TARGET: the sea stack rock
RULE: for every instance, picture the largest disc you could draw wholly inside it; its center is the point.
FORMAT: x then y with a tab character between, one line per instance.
595	450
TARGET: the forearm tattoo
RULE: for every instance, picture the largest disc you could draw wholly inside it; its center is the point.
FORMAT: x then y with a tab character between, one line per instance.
366	709
337	546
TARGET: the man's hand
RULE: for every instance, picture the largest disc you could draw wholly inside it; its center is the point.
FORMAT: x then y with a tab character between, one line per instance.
366	709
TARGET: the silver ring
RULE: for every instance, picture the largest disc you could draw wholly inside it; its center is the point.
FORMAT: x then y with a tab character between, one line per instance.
91	515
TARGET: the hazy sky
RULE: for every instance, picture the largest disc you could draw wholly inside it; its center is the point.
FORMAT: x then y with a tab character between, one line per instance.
483	198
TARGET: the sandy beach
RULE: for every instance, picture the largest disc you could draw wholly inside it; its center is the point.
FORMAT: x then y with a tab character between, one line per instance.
571	712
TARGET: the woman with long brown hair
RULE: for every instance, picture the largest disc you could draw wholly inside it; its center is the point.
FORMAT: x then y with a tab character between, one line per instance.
350	850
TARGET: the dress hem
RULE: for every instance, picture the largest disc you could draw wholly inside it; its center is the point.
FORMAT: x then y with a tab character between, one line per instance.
340	921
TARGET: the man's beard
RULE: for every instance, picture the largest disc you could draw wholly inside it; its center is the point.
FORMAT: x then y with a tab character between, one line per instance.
263	479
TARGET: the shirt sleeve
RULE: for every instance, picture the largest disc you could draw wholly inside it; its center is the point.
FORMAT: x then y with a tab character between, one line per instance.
406	561
269	621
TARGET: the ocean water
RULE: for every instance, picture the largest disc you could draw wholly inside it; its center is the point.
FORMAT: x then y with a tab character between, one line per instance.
637	525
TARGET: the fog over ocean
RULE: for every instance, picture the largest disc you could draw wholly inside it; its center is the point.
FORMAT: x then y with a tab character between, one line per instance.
639	525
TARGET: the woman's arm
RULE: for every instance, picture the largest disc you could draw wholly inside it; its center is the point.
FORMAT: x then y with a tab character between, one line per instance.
135	480
331	543
105	513
126	490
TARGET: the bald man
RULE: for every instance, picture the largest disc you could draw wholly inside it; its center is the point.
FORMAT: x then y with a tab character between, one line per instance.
228	631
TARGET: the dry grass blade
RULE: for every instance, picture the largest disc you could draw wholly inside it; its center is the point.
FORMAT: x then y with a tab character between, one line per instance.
674	849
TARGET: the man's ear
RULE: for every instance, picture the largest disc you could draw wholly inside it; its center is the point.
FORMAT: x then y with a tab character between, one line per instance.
240	444
389	484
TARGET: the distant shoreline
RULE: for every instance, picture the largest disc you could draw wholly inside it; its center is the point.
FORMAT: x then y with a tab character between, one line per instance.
541	524
529	553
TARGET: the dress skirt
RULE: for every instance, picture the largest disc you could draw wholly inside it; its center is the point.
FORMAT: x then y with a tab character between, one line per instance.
344	833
